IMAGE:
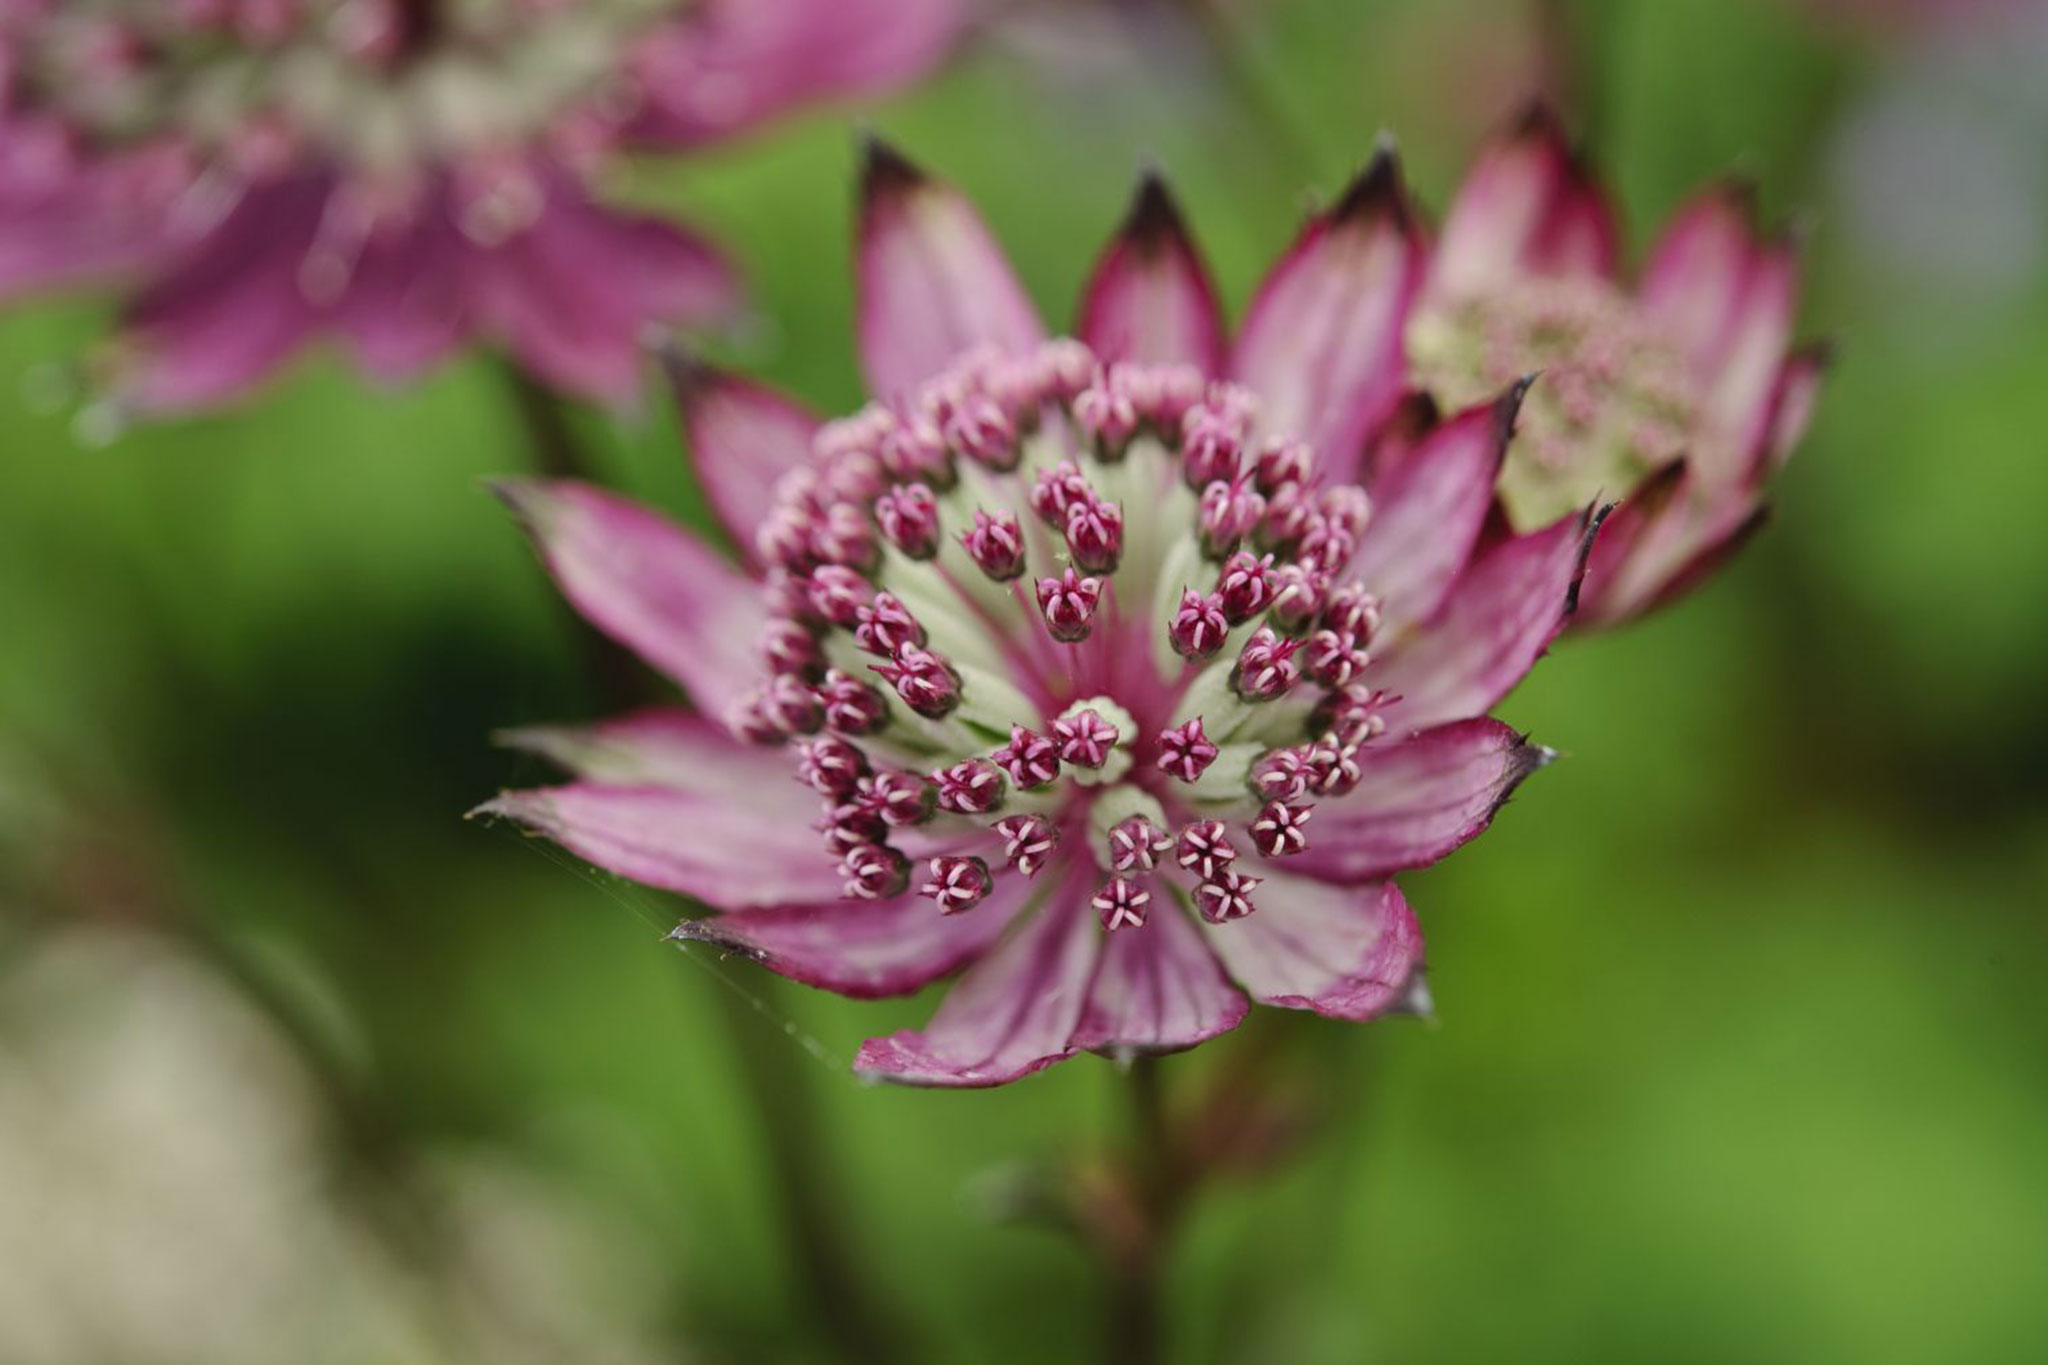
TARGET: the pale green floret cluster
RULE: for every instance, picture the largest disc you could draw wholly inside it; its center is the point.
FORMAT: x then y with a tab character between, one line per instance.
1616	400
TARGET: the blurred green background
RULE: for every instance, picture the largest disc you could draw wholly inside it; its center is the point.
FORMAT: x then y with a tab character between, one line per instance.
1741	1052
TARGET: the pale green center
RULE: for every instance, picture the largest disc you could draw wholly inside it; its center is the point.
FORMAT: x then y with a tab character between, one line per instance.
1616	399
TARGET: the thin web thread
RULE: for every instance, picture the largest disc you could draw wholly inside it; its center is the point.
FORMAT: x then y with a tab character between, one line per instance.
623	894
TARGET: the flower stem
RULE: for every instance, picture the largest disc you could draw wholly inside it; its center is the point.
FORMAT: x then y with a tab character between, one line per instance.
1134	1327
778	1089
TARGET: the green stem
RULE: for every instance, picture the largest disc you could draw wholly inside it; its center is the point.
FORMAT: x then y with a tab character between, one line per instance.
777	1087
1135	1323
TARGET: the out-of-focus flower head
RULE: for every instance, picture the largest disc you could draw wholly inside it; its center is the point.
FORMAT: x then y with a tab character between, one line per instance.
1682	394
1084	665
407	174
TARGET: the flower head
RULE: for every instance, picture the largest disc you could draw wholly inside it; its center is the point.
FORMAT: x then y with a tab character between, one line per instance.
1126	788
406	175
1681	395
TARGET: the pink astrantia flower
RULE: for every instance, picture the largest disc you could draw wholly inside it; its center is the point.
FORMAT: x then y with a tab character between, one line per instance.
406	175
1153	788
1680	395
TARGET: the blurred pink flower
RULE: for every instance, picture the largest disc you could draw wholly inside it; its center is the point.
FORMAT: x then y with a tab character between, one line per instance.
1086	666
409	174
1682	395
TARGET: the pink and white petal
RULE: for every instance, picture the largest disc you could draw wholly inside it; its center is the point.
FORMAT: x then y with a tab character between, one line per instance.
1792	406
1151	298
1740	394
1158	988
1419	799
1013	1013
1526	207
232	309
404	308
1322	342
866	949
1698	273
648	584
579	329
1428	509
1640	528
657	746
1344	951
1692	544
932	281
1398	437
1501	614
729	65
723	841
742	438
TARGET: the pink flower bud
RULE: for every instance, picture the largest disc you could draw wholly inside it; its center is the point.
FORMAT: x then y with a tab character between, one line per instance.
1028	840
1121	904
851	706
1199	627
1229	512
957	883
996	545
1029	758
885	626
973	786
1068	603
1135	844
1278	832
909	516
1185	752
1245	587
1265	667
874	872
1085	739
830	766
1095	534
1204	848
1227	897
923	680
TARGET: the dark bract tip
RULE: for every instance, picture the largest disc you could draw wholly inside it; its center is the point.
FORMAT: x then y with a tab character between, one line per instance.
1377	190
1154	221
1536	119
885	171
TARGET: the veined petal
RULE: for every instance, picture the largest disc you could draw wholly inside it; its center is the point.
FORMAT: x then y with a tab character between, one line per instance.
648	584
735	838
1526	207
1158	988
1151	298
729	65
932	280
1343	951
1500	616
233	308
1698	273
1321	344
658	746
1699	531
581	329
742	438
404	308
866	949
1013	1013
1617	570
1419	799
1792	405
1740	393
1428	509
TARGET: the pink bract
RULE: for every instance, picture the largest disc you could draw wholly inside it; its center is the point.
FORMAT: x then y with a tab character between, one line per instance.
1680	395
408	177
1082	666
